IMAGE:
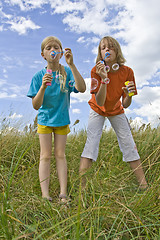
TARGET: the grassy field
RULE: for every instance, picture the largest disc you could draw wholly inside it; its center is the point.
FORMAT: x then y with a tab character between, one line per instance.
111	207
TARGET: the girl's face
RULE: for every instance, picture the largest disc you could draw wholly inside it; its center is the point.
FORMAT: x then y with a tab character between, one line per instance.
106	46
49	47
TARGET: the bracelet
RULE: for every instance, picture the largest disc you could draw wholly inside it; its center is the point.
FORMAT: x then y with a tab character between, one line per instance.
105	81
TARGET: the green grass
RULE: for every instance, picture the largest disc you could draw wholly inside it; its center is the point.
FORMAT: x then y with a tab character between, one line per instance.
111	207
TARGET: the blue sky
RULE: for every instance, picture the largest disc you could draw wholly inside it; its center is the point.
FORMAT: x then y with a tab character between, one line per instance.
79	25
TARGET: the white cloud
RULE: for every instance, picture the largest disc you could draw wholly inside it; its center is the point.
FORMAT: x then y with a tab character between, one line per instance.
10	90
83	97
137	123
1	28
76	110
16	2
6	95
73	100
3	15
2	82
22	25
87	61
81	39
148	101
26	5
19	24
63	6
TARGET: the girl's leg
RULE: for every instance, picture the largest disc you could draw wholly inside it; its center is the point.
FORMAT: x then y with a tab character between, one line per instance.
90	151
44	165
128	147
59	151
85	164
94	132
136	166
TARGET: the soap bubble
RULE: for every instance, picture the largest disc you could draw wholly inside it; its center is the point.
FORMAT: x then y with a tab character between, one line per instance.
71	83
58	78
115	66
94	84
64	51
107	68
106	80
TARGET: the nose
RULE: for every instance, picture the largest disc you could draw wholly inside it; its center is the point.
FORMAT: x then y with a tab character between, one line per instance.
52	48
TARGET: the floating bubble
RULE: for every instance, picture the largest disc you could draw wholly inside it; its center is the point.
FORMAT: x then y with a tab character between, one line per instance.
106	80
94	84
107	68
71	83
59	79
64	51
115	66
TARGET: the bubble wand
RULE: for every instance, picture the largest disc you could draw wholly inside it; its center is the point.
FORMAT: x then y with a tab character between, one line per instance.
54	53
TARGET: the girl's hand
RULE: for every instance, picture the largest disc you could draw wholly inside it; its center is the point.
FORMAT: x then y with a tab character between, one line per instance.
47	78
68	56
100	70
130	88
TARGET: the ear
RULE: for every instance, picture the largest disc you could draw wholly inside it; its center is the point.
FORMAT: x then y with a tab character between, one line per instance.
43	55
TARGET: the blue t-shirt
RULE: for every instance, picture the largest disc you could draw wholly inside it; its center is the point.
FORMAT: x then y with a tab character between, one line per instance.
54	111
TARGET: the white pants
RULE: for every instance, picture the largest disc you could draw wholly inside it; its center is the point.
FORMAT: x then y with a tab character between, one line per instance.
122	129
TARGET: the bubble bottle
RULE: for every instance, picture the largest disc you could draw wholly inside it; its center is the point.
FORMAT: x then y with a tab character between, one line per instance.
129	93
49	71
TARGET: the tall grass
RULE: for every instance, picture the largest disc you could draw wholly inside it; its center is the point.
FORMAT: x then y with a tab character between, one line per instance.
111	206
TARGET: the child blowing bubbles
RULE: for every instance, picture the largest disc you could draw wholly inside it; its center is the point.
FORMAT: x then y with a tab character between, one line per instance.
52	103
105	102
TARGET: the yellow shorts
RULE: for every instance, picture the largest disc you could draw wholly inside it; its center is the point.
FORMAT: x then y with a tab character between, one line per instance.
64	130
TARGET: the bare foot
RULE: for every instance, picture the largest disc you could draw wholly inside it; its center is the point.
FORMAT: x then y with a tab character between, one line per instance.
143	186
64	199
47	198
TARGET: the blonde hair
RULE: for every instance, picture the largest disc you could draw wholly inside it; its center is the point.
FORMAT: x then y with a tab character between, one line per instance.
116	46
61	70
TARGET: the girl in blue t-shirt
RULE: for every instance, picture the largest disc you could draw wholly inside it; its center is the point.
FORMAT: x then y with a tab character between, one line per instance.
50	92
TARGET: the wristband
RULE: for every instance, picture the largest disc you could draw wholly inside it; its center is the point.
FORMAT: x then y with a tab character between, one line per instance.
105	81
